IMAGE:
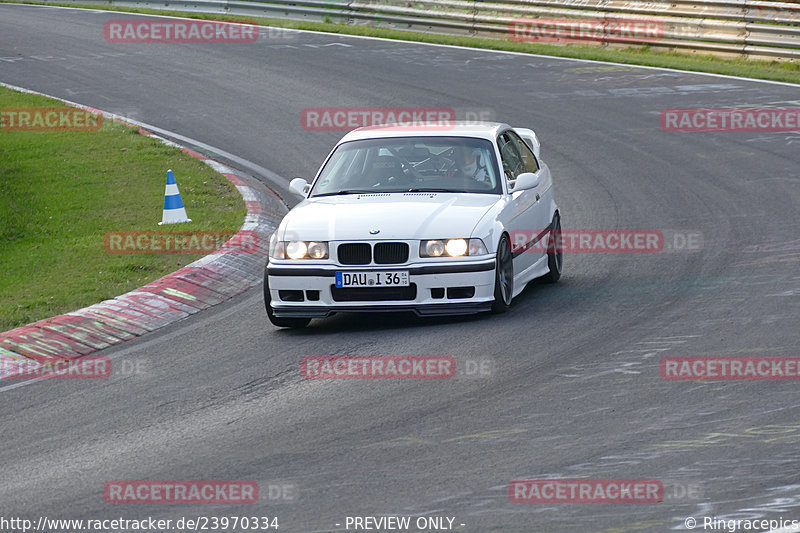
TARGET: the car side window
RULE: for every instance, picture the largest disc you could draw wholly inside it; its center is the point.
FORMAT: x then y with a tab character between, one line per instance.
528	159
512	161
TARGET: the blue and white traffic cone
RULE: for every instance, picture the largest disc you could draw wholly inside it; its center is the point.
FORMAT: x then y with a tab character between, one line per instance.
174	212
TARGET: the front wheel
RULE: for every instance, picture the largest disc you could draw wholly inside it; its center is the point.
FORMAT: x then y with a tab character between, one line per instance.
281	322
504	277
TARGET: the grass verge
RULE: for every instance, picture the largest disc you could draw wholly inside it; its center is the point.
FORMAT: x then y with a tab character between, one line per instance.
61	191
748	68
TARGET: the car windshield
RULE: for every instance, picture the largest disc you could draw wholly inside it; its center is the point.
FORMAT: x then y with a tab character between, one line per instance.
410	164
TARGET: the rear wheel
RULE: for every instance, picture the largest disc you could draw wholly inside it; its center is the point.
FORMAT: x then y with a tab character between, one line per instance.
555	254
504	277
281	322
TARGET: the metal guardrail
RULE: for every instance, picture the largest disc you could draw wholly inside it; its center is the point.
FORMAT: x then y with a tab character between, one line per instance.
752	28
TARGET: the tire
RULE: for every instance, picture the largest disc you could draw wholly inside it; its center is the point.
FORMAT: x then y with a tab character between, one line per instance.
281	322
555	254
503	277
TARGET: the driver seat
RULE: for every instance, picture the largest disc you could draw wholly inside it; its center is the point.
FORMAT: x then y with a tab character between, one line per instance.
385	167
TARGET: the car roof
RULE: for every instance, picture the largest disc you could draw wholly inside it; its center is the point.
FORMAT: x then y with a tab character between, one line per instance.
482	130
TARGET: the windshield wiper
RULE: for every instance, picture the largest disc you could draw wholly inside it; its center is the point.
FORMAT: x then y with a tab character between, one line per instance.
377	191
345	191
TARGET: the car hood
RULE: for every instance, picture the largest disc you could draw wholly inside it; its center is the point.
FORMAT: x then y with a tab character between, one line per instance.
395	215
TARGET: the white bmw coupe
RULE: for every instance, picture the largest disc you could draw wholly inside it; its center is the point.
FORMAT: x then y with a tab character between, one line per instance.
430	219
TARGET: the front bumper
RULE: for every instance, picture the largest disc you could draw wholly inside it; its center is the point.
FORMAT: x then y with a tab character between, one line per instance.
441	288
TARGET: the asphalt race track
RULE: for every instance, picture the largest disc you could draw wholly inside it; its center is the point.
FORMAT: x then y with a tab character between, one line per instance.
570	386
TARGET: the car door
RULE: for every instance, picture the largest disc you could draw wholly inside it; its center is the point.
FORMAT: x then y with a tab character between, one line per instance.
525	221
531	164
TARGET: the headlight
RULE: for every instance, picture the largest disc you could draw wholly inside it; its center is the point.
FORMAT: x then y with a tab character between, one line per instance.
299	250
296	249
476	247
317	250
431	248
451	247
277	249
456	247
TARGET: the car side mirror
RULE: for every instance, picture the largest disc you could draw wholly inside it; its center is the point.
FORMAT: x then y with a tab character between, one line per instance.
526	180
530	139
300	186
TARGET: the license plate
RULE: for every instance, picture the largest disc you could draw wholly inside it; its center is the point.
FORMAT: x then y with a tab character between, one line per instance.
395	278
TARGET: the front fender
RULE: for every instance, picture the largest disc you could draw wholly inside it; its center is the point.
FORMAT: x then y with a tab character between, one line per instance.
492	226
